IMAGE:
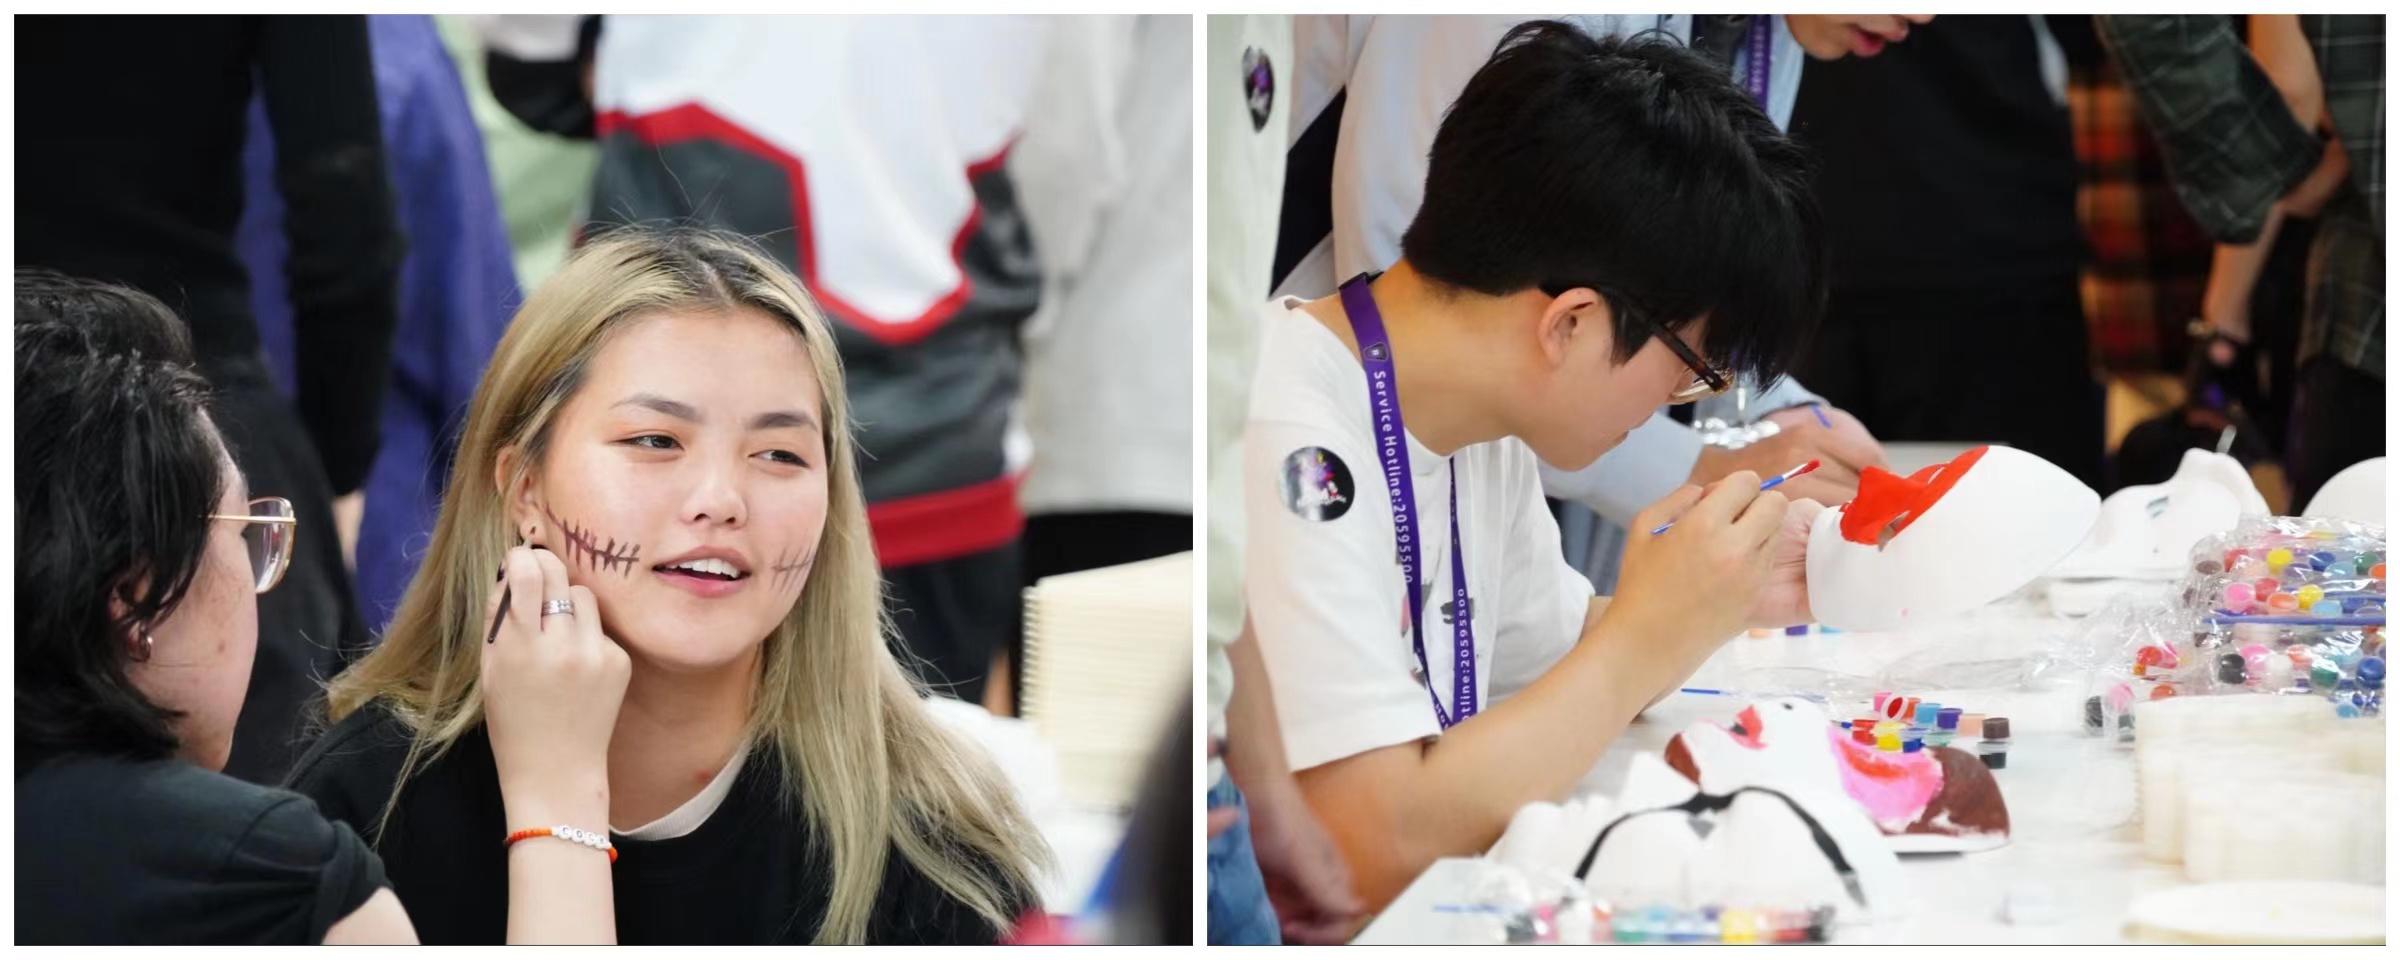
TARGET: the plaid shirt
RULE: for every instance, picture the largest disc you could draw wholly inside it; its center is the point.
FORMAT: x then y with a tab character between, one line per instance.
2149	261
2234	148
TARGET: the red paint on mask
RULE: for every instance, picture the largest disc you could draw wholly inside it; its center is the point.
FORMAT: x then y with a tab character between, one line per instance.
1886	499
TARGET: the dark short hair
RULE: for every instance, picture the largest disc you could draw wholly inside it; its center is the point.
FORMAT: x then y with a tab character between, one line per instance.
1639	170
118	468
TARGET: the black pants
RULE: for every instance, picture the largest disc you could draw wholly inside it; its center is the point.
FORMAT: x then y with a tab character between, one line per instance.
2008	364
2337	420
1057	543
952	614
308	626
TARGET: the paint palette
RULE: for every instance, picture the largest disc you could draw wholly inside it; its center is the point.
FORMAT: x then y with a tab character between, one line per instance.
1921	798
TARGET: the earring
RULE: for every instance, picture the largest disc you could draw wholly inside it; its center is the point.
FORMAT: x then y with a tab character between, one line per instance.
140	653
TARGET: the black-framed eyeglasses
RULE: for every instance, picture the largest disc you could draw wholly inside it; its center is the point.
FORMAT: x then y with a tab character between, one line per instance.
268	531
1705	382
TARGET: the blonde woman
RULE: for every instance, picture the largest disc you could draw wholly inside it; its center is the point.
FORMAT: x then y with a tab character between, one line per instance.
664	431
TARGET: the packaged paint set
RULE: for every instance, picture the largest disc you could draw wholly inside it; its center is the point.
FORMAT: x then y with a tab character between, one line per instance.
2283	606
1516	906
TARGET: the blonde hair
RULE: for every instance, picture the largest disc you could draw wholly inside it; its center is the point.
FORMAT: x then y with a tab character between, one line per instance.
839	710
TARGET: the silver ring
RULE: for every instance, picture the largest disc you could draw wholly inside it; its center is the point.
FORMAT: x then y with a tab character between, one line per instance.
550	607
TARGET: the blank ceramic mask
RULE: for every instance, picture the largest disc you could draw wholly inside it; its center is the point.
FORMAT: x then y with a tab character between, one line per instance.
2147	532
2355	494
1945	540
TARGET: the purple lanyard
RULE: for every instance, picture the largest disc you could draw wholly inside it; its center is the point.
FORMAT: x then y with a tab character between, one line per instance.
1762	46
1391	445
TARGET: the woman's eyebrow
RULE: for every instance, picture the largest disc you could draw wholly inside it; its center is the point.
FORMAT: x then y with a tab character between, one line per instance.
774	419
673	408
770	420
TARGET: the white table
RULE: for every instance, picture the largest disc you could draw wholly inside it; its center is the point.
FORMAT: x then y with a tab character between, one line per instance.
2070	800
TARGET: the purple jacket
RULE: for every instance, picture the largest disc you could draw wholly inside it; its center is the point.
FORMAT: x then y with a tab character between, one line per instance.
458	288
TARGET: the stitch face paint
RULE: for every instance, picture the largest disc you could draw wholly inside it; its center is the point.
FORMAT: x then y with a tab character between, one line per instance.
791	567
589	551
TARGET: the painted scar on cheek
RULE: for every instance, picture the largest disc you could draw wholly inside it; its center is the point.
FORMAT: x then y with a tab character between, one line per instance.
789	568
586	549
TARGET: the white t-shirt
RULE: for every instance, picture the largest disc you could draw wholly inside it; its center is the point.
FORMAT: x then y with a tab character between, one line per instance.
688	817
1252	54
1323	580
1104	172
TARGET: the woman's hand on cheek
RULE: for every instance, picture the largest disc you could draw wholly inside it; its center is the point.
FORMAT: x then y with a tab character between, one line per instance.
552	685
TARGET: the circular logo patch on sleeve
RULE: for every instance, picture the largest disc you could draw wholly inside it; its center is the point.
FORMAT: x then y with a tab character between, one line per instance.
1258	86
1316	484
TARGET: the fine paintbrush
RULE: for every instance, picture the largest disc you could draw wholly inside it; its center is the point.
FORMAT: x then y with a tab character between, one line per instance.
504	597
1772	483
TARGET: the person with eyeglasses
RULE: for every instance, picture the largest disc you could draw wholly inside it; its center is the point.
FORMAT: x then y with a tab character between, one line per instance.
1369	92
140	556
1606	227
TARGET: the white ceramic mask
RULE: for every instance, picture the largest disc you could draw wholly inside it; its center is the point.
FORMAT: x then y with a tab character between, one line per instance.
2147	532
1966	533
1754	848
2355	494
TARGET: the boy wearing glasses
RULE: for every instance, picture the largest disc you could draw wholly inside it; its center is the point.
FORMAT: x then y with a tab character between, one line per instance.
1606	227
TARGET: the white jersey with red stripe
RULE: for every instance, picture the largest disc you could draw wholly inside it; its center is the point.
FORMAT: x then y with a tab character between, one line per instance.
870	155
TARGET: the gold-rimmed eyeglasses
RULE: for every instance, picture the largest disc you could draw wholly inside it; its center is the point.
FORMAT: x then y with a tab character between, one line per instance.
268	530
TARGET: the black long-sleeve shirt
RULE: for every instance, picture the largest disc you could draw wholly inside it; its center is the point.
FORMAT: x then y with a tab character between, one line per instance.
129	169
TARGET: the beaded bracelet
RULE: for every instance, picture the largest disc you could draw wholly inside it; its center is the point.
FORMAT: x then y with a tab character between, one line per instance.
596	841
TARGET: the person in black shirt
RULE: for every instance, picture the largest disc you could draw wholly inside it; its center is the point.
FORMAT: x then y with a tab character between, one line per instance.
665	430
139	554
136	178
1946	167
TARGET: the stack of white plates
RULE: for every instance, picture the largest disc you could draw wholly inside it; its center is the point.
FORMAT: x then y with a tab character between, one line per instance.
1108	660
